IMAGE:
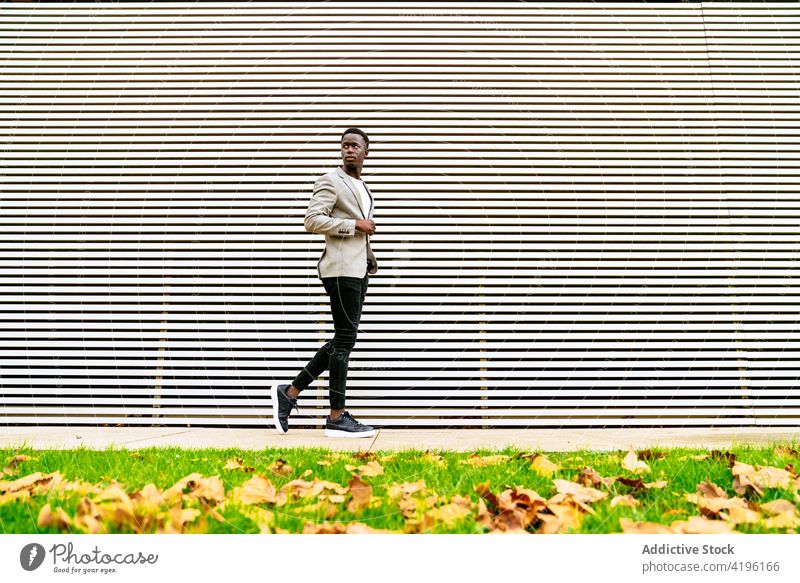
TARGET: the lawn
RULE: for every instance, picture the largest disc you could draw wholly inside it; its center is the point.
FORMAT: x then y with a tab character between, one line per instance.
746	489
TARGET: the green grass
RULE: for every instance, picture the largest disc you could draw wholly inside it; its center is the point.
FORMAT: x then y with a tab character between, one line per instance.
164	466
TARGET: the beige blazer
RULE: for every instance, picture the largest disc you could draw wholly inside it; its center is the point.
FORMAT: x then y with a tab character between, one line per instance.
334	208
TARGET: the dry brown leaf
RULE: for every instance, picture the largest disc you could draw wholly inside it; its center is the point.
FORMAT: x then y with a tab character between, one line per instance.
280	468
778	507
578	492
630	527
477	461
303	489
757	478
339	528
59	519
397	490
514	509
256	490
699	457
115	506
148	498
543	466
786	450
710	489
563	518
176	519
590	477
457	509
207	490
726	455
35	483
700	525
783	520
238	464
626	500
712	506
361	495
323	463
87	518
370	469
633	464
741	515
433	458
14	462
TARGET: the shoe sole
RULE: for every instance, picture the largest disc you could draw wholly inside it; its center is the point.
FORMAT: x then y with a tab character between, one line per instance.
274	394
340	433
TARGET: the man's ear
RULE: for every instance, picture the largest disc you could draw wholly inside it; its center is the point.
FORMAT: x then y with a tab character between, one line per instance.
366	152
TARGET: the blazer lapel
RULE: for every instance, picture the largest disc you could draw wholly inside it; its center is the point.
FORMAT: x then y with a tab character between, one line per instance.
345	178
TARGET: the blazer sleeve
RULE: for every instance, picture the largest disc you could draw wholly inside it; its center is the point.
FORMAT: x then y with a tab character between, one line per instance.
318	215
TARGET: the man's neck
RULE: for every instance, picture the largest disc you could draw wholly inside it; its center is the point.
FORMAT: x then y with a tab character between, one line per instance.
354	172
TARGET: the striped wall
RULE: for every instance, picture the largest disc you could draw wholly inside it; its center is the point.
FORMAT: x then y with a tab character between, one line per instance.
587	212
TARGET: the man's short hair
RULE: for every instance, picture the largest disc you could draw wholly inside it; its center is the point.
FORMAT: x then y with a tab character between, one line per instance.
356	131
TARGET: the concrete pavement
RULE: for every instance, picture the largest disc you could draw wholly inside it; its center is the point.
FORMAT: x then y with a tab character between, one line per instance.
395	439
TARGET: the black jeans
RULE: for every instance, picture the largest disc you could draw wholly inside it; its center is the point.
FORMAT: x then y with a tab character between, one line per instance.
347	298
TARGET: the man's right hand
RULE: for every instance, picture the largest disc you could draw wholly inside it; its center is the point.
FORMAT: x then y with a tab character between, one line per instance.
366	226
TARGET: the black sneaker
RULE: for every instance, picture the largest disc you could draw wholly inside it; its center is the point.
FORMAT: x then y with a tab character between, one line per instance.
282	405
347	426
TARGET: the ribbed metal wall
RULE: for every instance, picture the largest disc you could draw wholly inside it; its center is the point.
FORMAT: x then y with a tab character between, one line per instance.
587	212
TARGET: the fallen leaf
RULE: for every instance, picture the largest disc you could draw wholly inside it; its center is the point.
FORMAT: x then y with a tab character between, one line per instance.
339	528
457	509
397	490
543	466
630	527
477	461
60	519
14	462
238	464
700	525
257	490
433	458
361	493
626	500
563	518
783	520
208	490
280	468
778	507
741	515
726	455
710	489
632	463
757	478
370	469
87	518
582	493
590	477
35	483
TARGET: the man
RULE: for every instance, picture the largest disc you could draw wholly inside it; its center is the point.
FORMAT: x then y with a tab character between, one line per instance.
341	209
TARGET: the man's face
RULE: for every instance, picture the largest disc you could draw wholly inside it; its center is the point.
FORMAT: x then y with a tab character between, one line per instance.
354	150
